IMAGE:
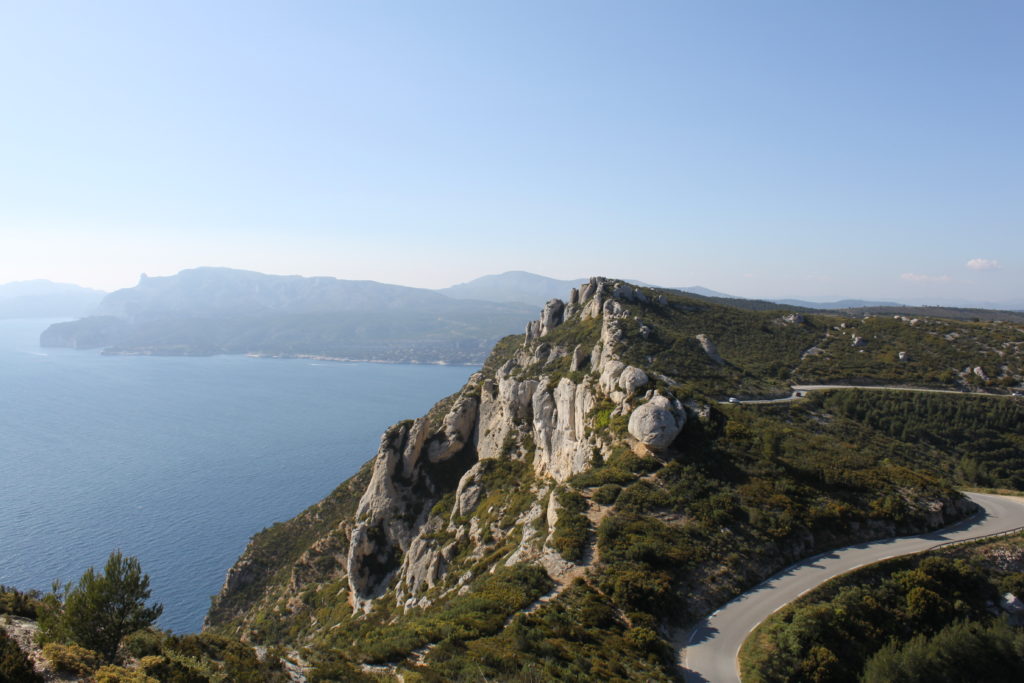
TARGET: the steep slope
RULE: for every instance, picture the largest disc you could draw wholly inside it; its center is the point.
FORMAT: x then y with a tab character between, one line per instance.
580	496
218	310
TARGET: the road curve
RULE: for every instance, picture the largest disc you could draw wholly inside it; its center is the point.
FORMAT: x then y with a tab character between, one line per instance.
709	652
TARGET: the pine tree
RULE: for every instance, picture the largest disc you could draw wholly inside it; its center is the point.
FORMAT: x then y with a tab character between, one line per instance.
102	608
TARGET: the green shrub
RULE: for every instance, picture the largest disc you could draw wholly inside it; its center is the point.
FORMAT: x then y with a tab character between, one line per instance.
118	674
72	659
142	643
476	614
13	601
14	663
962	651
569	537
607	494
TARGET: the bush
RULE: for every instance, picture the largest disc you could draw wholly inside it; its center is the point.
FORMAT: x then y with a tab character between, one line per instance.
607	494
570	535
72	659
14	663
118	674
962	651
142	643
13	601
152	663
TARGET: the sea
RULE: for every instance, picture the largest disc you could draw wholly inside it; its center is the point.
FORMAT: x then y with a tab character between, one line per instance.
177	460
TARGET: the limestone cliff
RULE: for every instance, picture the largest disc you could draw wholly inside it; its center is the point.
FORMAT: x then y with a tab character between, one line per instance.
500	415
569	455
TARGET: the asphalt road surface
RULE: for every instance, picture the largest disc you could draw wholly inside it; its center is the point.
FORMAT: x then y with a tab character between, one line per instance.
710	651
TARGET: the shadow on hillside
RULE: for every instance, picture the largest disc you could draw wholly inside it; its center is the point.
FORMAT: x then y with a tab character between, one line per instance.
693	677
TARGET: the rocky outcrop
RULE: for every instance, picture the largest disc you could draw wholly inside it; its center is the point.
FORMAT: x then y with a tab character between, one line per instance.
559	429
552	316
518	411
406	479
657	422
579	359
709	348
632	379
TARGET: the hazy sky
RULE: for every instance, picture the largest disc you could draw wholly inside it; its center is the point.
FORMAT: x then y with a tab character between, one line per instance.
814	149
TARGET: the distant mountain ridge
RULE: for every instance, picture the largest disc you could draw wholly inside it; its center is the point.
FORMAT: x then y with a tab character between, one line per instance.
46	299
536	289
512	286
207	311
835	305
524	287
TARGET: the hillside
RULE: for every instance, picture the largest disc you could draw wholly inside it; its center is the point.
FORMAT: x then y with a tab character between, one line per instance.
217	310
929	617
585	493
45	299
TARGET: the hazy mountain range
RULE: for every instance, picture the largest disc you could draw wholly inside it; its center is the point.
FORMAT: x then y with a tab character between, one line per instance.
45	299
205	311
535	289
523	287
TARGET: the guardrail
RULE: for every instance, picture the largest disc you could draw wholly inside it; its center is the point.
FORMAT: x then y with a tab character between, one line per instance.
976	538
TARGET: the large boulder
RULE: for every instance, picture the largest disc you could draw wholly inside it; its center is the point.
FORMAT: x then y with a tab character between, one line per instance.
632	379
658	422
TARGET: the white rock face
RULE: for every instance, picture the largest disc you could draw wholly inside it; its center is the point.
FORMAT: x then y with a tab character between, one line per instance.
579	358
658	422
709	348
457	426
552	316
610	372
423	564
385	523
559	429
502	406
632	379
467	495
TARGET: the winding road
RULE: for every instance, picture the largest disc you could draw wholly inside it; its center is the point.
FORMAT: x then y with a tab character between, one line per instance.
800	390
709	652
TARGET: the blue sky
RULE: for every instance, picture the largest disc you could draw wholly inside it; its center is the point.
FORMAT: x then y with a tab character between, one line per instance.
812	149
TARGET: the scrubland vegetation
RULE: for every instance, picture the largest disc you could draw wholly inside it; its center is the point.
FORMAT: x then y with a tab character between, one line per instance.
928	617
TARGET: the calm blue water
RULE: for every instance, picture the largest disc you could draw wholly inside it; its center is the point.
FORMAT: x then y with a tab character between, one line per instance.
177	460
